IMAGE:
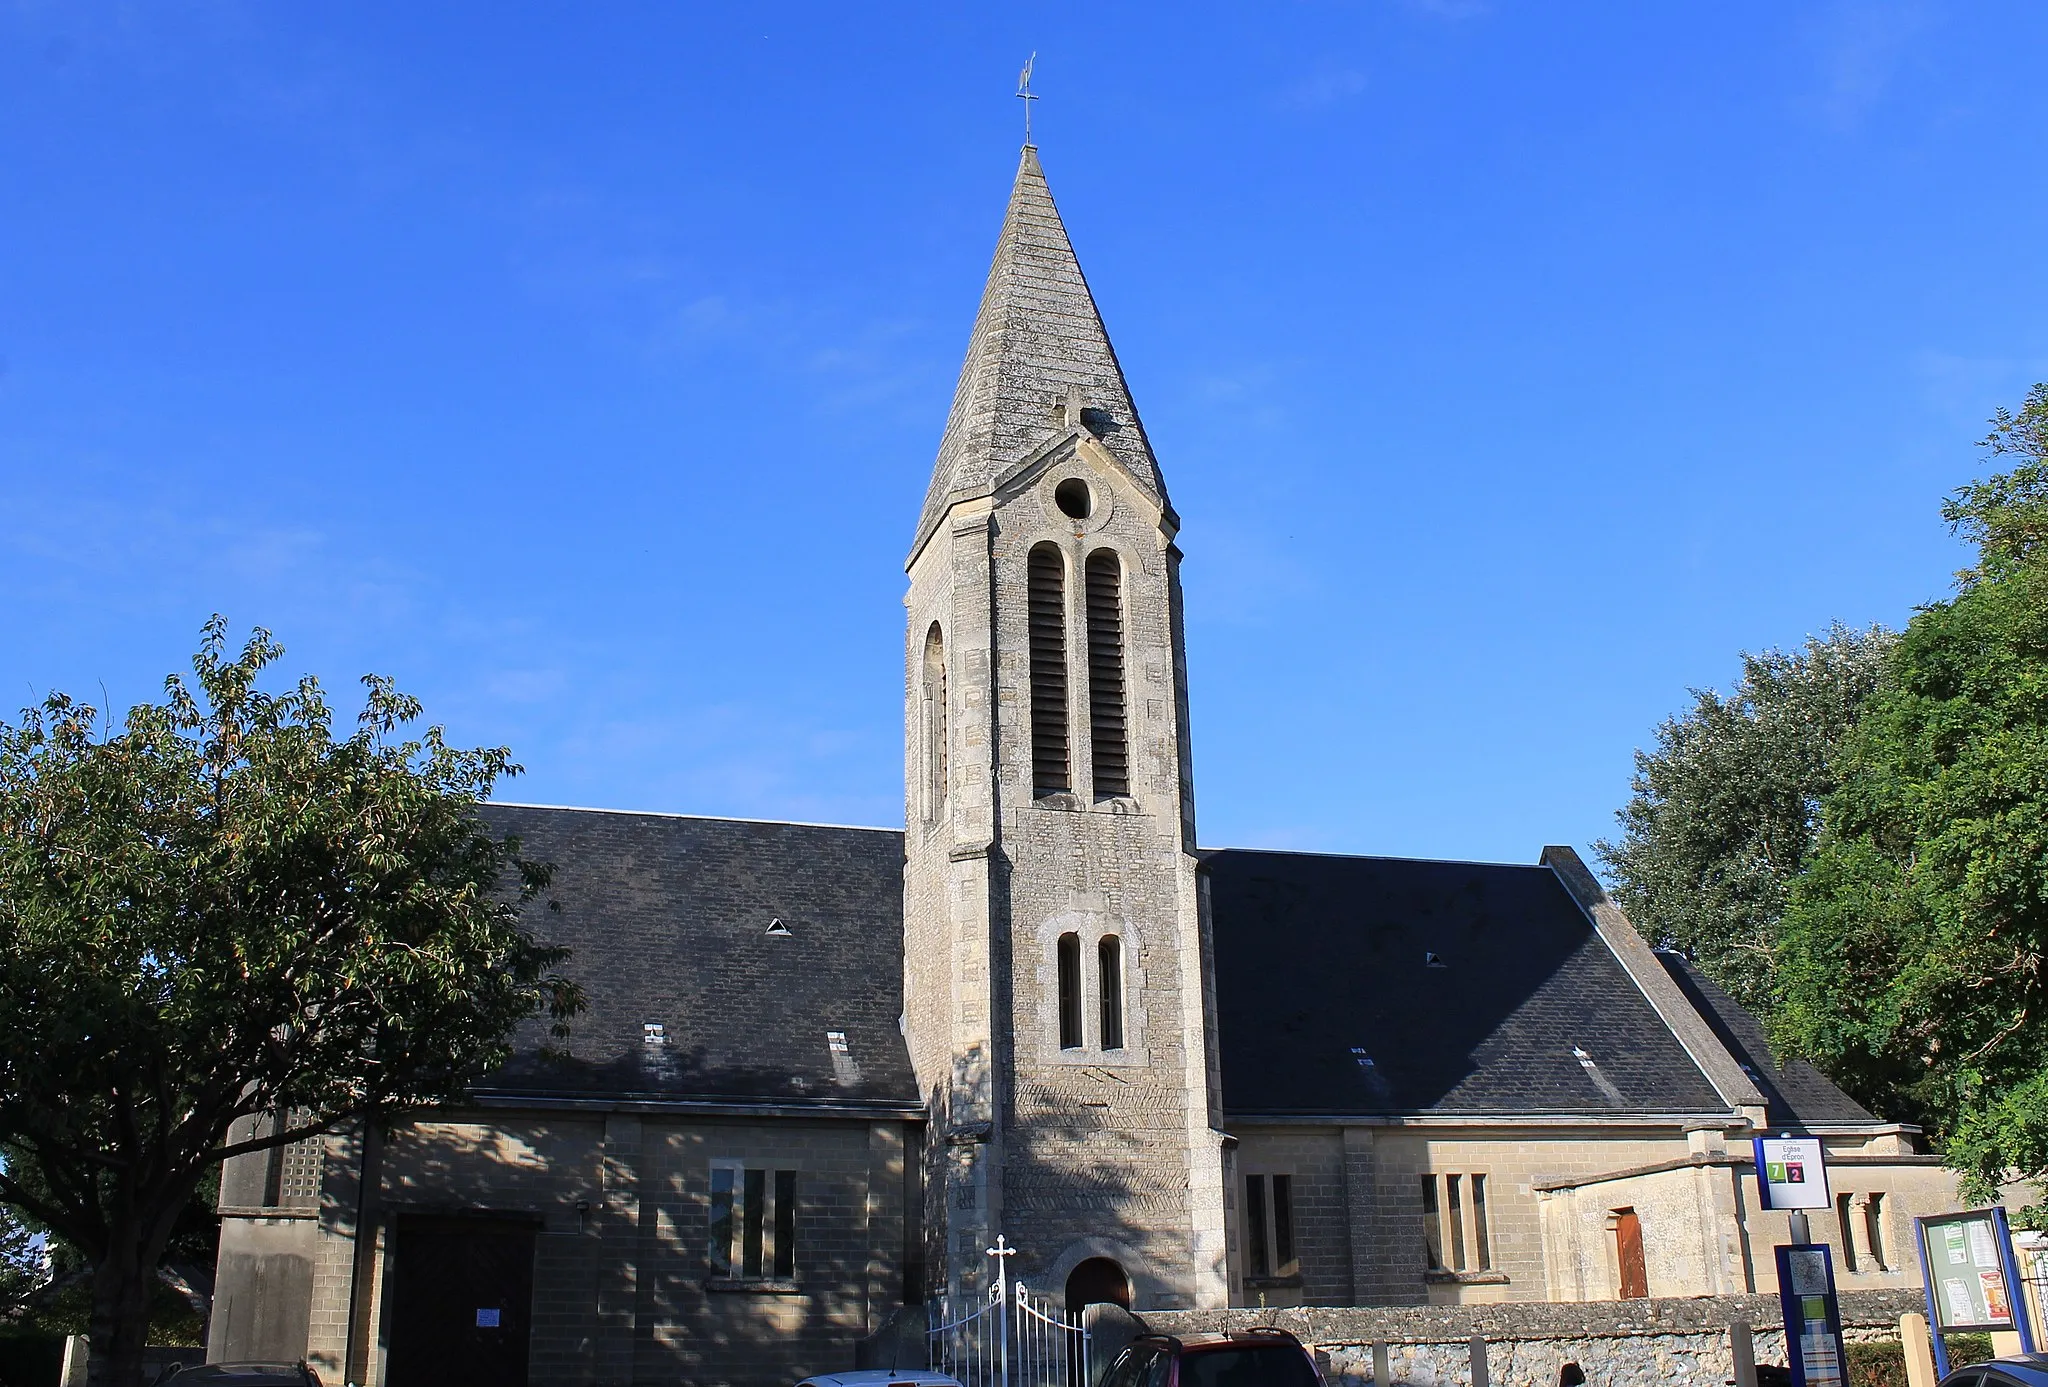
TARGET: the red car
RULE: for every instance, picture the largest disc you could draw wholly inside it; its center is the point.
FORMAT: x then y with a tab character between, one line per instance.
1240	1358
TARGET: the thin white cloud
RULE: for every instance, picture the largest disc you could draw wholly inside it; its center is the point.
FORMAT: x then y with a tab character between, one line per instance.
1861	46
1321	90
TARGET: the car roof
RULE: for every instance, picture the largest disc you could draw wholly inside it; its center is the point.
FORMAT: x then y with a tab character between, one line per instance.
249	1374
881	1377
1207	1339
2028	1367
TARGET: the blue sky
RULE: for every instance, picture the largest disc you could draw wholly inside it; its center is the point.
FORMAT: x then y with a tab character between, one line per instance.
1512	365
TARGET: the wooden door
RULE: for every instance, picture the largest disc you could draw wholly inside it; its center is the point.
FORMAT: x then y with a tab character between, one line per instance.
1628	1244
461	1302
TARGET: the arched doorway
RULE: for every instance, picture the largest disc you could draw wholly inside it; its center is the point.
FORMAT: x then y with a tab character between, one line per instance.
1098	1280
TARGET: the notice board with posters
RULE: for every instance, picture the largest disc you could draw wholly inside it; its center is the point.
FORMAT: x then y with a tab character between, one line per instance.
1813	1317
1971	1277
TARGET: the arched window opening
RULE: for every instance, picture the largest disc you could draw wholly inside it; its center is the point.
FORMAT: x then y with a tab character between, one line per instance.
934	722
1047	584
1070	992
1109	959
1111	759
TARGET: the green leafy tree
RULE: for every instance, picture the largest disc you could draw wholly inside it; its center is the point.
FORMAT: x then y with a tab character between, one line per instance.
1725	809
220	908
1912	959
21	1265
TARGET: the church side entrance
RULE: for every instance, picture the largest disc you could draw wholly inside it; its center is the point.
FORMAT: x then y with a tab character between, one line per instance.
1098	1281
461	1301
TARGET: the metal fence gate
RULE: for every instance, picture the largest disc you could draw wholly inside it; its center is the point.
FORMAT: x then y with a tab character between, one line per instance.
1013	1338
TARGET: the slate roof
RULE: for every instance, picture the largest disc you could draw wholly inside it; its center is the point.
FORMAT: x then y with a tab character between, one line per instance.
1321	957
1795	1094
667	918
1036	335
1317	958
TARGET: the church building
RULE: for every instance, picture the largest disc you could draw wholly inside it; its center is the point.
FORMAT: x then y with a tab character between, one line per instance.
823	1070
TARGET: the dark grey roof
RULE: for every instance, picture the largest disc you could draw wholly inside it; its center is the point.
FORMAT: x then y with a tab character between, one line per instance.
1036	336
1795	1094
668	921
1320	958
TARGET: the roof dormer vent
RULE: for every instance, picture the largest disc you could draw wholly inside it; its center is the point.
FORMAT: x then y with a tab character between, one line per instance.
777	930
653	1033
1432	960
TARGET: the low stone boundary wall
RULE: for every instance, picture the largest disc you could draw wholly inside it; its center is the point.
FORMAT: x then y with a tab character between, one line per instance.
1616	1343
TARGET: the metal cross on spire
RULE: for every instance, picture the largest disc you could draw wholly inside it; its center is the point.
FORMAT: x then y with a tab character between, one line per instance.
1027	96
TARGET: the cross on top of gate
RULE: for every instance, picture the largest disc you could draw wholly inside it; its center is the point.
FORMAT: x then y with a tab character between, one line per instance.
1000	1252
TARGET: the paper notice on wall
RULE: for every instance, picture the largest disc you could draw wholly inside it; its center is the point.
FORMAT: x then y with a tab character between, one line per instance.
1809	1273
1956	1244
1983	1251
1817	1355
1995	1307
1955	1293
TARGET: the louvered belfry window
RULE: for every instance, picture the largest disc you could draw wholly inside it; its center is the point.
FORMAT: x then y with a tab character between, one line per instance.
1111	760
1047	583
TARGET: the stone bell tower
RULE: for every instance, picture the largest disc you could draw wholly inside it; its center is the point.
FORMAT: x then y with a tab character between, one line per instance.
1058	998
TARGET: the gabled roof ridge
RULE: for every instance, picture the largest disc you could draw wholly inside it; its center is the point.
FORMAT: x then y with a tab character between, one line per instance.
1687	1026
702	818
1378	857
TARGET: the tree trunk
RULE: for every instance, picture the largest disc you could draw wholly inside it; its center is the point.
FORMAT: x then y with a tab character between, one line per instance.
120	1316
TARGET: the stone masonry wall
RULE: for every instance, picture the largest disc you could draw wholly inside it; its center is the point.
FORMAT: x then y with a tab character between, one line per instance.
1616	1343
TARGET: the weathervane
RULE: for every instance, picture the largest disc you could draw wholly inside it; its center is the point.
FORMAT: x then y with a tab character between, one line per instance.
1027	96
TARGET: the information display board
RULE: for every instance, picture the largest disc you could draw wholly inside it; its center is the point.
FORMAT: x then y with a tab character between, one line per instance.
1970	1277
1790	1173
1813	1317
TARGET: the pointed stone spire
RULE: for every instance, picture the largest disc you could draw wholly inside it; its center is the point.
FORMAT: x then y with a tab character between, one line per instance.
1038	350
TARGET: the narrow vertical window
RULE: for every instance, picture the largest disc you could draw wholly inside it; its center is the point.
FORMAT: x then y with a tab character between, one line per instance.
1845	1216
1047	611
1873	1230
1454	1233
1283	1227
1256	1262
1109	959
785	1224
1070	991
754	1202
1432	1224
934	722
722	1178
1481	1240
1110	748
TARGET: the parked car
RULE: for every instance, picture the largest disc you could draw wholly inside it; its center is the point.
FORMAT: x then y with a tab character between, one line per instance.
882	1377
2018	1370
242	1375
1262	1357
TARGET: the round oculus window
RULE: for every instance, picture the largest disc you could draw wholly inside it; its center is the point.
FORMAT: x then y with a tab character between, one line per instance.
1072	497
